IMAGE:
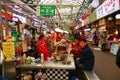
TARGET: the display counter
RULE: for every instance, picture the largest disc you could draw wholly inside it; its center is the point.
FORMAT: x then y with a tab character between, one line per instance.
55	70
59	64
50	64
33	65
58	70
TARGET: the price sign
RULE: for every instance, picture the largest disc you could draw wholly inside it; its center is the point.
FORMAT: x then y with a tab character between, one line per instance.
9	50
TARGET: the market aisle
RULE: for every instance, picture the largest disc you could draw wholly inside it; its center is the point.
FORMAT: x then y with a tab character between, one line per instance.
105	66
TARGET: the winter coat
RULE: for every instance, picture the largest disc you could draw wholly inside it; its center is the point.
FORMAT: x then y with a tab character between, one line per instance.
43	48
103	39
87	58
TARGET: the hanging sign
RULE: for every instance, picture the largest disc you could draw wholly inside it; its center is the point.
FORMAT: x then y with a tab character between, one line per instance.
92	17
108	7
47	10
21	18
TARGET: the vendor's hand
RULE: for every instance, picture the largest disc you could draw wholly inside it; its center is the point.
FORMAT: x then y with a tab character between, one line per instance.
77	59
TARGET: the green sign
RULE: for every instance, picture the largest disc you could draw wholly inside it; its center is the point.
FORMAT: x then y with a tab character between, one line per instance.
47	10
92	17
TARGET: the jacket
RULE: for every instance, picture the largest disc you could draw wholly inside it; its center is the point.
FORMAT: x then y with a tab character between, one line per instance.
103	39
87	58
43	48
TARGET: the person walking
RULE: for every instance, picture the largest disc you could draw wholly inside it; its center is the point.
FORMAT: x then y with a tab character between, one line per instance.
103	40
95	37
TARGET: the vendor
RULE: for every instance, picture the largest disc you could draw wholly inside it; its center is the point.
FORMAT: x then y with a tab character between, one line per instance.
76	49
63	40
42	47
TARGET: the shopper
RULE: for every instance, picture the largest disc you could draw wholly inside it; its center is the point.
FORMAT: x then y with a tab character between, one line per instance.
103	40
95	37
42	47
86	61
118	58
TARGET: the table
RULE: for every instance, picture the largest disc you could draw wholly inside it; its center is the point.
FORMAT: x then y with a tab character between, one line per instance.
54	70
33	65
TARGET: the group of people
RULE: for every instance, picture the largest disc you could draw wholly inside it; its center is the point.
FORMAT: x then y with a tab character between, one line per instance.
83	54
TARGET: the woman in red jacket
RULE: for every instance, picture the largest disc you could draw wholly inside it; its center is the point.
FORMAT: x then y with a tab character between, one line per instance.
42	47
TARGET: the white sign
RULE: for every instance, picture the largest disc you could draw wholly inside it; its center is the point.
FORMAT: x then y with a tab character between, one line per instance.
94	4
36	23
21	18
108	7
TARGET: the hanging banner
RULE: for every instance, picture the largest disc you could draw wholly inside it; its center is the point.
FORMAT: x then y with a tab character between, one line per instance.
92	17
108	7
47	10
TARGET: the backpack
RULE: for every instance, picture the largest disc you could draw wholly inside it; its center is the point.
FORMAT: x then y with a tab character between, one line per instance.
118	58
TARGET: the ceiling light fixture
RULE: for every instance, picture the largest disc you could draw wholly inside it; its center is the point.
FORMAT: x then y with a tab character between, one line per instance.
117	16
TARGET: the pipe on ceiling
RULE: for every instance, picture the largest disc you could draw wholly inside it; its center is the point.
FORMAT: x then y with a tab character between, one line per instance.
25	7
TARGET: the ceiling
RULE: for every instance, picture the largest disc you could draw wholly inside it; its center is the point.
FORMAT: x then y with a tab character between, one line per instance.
68	11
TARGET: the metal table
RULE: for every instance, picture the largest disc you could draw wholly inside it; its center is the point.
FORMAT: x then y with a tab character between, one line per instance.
54	70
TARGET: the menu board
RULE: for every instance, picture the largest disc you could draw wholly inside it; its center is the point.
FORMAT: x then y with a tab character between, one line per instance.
8	50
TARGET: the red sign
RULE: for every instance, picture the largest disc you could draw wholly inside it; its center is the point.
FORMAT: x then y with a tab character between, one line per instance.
84	16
